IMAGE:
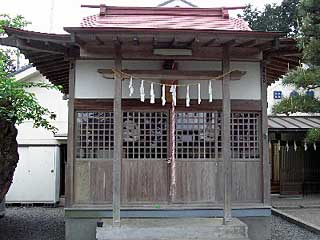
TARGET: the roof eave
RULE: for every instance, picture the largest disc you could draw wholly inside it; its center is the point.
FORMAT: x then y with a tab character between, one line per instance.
168	30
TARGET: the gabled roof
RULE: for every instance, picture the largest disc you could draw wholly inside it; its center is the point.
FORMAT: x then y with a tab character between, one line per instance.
140	30
171	1
165	18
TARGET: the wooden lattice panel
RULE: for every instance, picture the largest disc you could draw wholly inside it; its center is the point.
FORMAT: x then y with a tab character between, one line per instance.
197	135
245	135
145	135
95	135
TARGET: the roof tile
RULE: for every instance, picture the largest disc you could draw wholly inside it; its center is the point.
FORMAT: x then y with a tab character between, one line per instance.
166	18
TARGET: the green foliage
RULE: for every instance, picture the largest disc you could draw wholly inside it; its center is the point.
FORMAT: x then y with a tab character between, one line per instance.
313	135
16	103
7	54
302	78
282	18
14	22
298	103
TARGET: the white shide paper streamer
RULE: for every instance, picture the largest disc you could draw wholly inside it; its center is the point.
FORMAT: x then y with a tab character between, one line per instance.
131	89
163	98
174	94
142	95
152	96
210	91
199	93
188	96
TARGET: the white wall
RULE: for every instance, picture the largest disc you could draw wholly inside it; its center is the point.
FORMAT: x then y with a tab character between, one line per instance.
37	176
91	84
51	99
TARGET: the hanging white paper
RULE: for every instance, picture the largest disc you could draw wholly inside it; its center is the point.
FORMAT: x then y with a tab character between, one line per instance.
188	96
142	95
199	93
287	147
210	91
315	146
174	94
295	146
152	96
305	146
131	89
163	98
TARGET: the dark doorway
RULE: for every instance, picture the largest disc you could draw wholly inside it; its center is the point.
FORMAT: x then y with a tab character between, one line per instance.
63	162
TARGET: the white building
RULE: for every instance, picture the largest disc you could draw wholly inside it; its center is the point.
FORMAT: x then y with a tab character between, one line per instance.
277	91
39	176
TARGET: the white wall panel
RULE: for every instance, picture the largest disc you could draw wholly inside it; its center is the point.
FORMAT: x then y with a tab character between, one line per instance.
91	84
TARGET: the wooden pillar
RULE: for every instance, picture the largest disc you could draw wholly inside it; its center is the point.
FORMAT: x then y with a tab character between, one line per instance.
69	180
117	119
264	131
226	152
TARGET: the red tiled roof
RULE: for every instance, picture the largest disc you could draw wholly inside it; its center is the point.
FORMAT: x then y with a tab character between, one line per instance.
165	18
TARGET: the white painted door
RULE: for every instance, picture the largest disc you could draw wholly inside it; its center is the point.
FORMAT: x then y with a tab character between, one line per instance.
35	176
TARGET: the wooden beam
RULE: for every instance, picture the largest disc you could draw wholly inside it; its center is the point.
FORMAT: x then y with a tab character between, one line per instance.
116	171
264	130
208	43
249	43
277	69
226	152
40	46
71	138
286	60
146	53
172	42
99	41
54	67
173	74
49	61
58	71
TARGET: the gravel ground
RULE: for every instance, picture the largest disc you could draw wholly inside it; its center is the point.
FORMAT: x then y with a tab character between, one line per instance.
32	223
48	224
283	230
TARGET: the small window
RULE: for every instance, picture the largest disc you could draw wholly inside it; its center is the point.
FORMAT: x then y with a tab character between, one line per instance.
294	93
277	94
310	93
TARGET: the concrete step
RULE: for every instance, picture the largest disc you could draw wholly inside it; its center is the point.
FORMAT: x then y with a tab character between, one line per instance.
173	229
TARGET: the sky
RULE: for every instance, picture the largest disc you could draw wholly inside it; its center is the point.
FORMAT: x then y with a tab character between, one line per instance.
53	15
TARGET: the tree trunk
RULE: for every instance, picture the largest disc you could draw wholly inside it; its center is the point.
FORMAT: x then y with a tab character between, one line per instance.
8	155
